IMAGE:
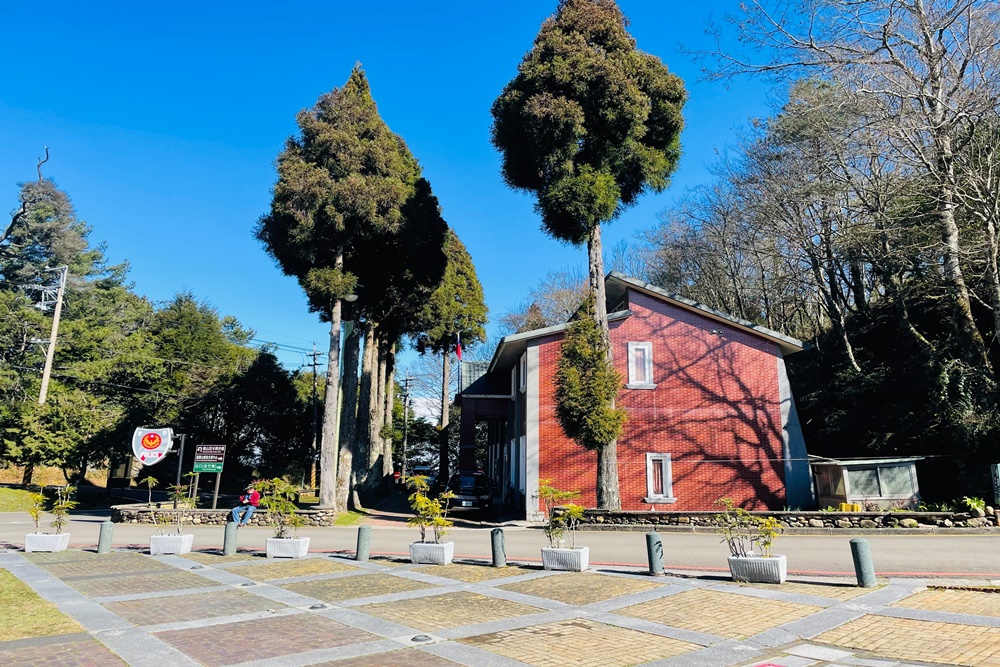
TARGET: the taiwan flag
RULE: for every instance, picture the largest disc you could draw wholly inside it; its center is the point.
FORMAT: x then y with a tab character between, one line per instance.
458	346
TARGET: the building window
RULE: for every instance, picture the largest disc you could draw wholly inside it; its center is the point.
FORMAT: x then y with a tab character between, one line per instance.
881	482
640	366
524	372
659	480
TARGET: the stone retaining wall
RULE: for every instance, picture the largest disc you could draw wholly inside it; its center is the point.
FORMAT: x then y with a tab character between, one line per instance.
206	517
830	520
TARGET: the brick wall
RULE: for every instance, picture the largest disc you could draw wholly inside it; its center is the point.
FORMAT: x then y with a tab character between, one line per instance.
715	410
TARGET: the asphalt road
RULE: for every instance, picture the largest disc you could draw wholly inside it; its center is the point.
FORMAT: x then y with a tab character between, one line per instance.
939	555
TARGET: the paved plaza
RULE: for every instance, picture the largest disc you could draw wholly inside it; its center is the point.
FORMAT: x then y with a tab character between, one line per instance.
207	609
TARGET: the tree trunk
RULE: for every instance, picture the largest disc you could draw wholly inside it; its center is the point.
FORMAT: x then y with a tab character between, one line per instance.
390	398
27	474
443	472
331	408
608	496
348	419
368	372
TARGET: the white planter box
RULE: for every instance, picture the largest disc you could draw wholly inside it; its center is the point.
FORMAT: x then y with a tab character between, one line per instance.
428	552
758	569
46	542
286	547
170	544
574	560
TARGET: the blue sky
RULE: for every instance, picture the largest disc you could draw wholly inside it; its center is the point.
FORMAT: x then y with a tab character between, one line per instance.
164	119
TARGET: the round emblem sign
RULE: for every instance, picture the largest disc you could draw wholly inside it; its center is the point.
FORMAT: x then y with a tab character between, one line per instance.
151	440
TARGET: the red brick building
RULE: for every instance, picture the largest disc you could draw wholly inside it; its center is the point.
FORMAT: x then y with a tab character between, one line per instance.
710	413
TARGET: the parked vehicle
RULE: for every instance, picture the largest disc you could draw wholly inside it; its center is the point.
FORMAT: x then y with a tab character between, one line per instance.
473	491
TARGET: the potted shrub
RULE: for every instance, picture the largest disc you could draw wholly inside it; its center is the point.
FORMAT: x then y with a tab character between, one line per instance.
169	539
749	539
562	518
277	497
59	540
429	513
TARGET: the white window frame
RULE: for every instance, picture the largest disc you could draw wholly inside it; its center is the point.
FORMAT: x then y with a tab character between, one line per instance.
632	384
667	498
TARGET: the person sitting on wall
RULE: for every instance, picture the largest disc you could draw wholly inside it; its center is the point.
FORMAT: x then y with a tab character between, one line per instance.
249	502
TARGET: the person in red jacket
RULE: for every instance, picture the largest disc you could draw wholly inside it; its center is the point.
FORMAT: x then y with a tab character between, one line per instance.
249	501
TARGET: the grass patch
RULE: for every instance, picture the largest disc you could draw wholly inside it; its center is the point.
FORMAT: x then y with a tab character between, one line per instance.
34	618
349	518
14	500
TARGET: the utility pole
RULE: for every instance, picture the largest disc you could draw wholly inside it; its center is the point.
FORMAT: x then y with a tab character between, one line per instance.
315	411
51	351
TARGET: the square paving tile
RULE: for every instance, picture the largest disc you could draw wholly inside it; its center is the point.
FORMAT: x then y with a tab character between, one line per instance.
450	610
264	639
68	651
409	657
173	609
979	603
350	588
283	569
727	615
925	641
130	584
68	564
471	573
580	643
214	557
580	588
823	590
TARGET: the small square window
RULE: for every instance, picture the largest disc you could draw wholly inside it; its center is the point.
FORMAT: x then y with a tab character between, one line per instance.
640	366
659	480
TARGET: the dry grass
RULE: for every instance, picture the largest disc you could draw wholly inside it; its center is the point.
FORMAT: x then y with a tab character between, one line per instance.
50	476
24	614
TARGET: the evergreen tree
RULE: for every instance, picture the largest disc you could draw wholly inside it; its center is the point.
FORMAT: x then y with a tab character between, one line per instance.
456	310
341	185
588	125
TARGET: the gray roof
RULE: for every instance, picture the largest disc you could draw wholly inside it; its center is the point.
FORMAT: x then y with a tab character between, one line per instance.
862	461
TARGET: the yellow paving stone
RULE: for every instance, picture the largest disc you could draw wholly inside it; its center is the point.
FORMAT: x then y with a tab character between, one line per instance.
450	610
979	603
216	557
579	643
580	588
295	567
351	588
471	573
925	641
723	614
823	590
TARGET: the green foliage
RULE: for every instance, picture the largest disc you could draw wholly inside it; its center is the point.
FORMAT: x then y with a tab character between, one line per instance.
586	384
560	516
277	497
742	531
973	503
589	123
457	305
150	483
37	507
61	506
428	512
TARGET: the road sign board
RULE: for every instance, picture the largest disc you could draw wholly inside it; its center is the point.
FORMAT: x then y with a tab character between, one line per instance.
209	458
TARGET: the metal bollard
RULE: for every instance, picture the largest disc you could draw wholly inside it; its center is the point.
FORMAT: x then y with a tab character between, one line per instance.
863	566
104	541
499	553
229	546
654	552
364	543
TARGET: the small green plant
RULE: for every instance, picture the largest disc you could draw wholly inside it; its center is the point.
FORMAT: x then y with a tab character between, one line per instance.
742	531
37	508
428	512
277	496
562	516
150	482
973	503
63	504
161	520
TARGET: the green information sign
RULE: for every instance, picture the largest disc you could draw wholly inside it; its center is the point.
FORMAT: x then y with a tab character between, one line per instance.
200	466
